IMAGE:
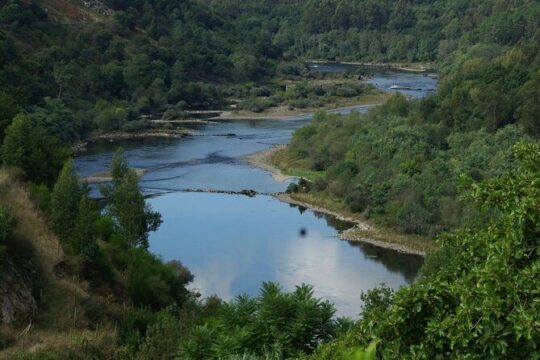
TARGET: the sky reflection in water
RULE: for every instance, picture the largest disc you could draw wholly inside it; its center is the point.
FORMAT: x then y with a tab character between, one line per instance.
233	243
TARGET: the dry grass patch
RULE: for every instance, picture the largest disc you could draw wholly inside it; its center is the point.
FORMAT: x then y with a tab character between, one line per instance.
31	223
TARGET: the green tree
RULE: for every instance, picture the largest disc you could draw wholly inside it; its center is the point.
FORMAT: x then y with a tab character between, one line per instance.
84	238
133	217
119	167
529	108
65	202
8	109
291	323
480	301
33	149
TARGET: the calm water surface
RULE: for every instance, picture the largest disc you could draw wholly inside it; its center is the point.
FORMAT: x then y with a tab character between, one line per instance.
232	243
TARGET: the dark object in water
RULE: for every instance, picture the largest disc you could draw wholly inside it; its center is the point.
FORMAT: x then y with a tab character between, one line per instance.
303	232
250	193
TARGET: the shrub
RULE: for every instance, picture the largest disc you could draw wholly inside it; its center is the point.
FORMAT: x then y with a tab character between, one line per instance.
292	323
41	195
33	149
154	284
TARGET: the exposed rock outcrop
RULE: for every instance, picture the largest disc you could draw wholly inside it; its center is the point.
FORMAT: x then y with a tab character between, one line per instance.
17	300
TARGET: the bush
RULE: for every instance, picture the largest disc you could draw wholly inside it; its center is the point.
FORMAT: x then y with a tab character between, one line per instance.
104	228
162	338
32	148
133	327
292	323
319	184
292	188
41	196
154	284
346	91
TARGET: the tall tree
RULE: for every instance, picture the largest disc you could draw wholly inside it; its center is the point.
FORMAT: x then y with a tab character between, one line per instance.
133	217
33	149
84	233
65	199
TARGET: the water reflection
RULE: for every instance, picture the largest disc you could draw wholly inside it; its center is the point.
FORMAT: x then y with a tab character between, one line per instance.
233	243
399	263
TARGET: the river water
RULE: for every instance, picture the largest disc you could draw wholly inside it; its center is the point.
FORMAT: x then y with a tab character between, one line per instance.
232	243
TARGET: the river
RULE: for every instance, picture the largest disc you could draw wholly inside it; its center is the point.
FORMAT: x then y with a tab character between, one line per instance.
232	243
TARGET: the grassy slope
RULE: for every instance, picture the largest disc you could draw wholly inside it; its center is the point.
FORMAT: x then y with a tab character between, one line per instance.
61	323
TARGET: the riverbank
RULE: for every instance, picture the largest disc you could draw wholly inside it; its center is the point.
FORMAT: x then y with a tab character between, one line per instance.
106	176
362	231
274	113
282	112
263	160
409	67
81	146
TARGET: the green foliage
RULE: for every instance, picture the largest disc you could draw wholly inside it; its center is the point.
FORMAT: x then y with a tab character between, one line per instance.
41	195
293	322
133	217
400	164
65	201
162	338
8	109
368	354
392	164
33	149
154	284
481	303
84	238
108	116
59	120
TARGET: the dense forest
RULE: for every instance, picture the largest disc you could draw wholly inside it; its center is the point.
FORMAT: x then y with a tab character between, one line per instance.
461	166
402	164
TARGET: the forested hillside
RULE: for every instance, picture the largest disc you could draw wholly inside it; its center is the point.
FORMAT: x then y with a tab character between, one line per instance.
461	166
73	73
401	164
386	30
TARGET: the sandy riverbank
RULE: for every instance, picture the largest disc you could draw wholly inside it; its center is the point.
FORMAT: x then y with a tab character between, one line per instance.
262	159
158	133
409	67
283	112
106	176
362	231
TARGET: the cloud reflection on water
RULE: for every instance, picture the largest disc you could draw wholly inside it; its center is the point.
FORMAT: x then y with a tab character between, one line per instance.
319	260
